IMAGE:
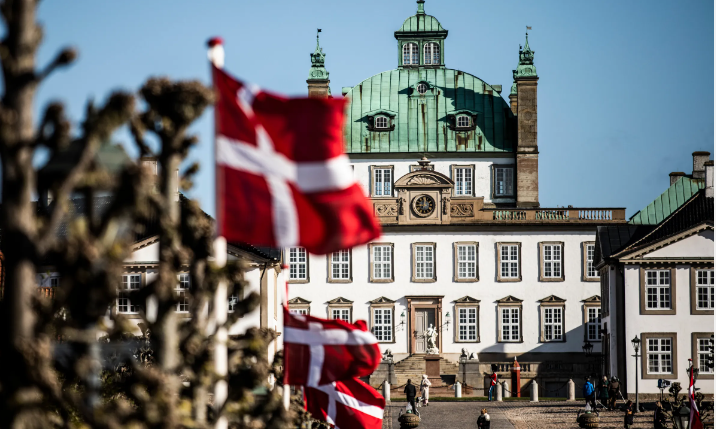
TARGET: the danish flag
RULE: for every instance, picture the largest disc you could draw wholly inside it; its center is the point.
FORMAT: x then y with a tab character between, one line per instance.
349	404
694	417
281	175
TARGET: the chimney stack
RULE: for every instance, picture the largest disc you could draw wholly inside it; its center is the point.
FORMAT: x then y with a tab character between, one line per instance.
709	165
699	159
675	176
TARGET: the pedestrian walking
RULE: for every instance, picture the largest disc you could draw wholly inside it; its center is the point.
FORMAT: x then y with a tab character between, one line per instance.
588	391
425	389
659	417
483	421
604	392
493	385
410	392
628	415
614	388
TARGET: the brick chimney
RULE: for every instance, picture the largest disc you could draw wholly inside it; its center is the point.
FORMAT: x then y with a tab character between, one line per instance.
699	159
676	175
709	166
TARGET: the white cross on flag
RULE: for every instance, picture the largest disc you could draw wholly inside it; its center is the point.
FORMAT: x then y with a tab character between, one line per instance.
319	351
349	404
694	417
282	178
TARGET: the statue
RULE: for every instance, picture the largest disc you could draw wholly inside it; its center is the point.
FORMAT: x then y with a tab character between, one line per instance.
431	336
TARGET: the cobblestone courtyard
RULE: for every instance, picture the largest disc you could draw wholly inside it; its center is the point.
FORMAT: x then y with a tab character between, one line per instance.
508	415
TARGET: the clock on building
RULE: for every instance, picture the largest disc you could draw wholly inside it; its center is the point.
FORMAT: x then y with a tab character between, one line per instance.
423	205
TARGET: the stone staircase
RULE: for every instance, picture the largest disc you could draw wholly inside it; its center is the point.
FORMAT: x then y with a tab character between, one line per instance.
413	368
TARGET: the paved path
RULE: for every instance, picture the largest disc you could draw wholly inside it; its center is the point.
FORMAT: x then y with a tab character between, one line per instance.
453	415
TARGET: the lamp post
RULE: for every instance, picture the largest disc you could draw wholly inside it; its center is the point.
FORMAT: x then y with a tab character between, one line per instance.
682	417
636	342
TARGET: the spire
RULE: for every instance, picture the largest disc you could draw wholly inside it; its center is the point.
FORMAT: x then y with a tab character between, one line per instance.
421	7
525	67
318	75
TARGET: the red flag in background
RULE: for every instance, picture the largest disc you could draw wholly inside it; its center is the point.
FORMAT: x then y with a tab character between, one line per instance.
282	177
694	416
348	404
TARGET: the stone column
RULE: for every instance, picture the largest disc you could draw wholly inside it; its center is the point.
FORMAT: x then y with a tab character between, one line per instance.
386	391
498	391
571	389
534	397
527	150
458	390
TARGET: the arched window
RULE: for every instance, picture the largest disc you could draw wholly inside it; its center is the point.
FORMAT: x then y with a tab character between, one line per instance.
422	88
463	121
432	53
411	55
381	122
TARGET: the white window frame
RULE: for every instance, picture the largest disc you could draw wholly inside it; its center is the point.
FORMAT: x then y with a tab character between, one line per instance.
504	181
297	264
511	325
552	260
509	261
424	257
382	259
301	311
466	319
663	358
383	181
594	323
381	122
464	183
705	289
383	324
466	119
339	266
342	313
552	324
702	354
181	289
657	289
589	254
411	53
129	281
431	54
466	264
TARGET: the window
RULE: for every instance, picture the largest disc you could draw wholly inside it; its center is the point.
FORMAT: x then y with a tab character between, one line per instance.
504	181
466	261
422	88
298	264
382	182
467	323
704	289
411	55
381	262
552	323
424	257
340	266
509	254
594	322
703	350
658	289
341	313
463	121
130	282
431	54
510	324
551	261
589	273
463	181
303	311
383	324
55	281
659	356
181	290
381	122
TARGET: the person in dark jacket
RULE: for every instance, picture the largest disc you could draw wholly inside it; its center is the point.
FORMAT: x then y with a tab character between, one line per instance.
483	422
628	415
614	387
588	392
604	392
659	417
410	394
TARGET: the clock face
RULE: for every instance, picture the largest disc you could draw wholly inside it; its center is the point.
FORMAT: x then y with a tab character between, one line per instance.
423	205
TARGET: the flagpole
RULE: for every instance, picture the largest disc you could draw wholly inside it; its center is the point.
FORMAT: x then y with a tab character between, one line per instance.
221	305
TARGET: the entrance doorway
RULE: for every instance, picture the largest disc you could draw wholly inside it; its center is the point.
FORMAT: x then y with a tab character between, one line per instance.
424	317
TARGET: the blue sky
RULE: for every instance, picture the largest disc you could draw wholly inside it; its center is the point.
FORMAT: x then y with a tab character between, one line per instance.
625	93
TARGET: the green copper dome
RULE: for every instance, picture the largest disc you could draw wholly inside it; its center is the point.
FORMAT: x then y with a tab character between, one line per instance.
421	22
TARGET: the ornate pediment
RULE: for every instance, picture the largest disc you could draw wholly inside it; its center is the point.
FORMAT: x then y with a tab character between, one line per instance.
298	300
467	300
382	300
424	178
596	299
552	298
340	300
509	299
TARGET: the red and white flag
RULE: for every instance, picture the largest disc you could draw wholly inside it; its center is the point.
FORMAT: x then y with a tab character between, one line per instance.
694	417
318	351
348	404
281	175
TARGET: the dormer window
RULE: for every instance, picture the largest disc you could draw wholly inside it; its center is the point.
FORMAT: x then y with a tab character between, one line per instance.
463	121
381	122
411	54
431	54
422	88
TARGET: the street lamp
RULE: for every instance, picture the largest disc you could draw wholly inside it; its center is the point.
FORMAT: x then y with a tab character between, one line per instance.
402	318
587	348
636	342
682	417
